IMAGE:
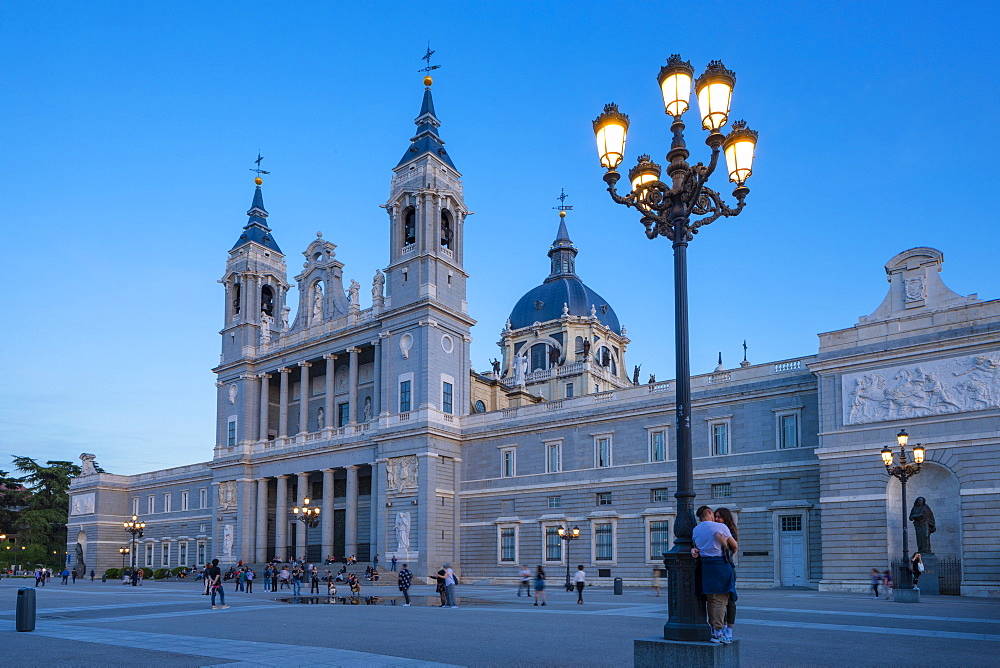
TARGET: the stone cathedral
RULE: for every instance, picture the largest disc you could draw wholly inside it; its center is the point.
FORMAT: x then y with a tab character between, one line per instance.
375	415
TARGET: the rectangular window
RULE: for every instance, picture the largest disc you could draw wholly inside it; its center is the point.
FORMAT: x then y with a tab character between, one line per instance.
231	438
791	522
569	390
167	502
343	414
603	452
720	438
553	458
604	498
603	542
135	505
202	553
658	446
555	502
661	495
150	504
149	554
788	425
203	498
404	396
722	490
184	500
507	463
182	554
659	538
553	544
507	545
446	397
165	554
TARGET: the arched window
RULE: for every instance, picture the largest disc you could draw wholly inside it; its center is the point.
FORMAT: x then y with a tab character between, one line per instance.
446	232
539	357
409	226
267	300
578	347
236	298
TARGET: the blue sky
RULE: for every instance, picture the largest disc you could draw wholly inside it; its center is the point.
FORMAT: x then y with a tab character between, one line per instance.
128	129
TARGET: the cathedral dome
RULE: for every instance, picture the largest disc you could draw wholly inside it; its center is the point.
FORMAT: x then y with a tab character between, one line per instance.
545	303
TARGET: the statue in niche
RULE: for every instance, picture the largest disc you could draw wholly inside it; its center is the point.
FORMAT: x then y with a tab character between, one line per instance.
635	374
378	282
317	309
402	527
265	329
320	418
236	300
368	409
923	524
81	567
352	295
87	464
227	539
284	318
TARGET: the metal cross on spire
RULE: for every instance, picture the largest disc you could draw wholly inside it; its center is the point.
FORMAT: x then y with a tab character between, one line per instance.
562	201
744	350
427	57
258	169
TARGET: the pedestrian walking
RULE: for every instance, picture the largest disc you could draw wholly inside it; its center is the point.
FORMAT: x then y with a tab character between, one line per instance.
208	582
394	563
876	579
887	585
65	576
580	581
916	568
540	584
656	581
525	581
72	574
404	583
214	576
91	574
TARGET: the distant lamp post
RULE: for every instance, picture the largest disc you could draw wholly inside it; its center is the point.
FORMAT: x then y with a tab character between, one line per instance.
903	471
666	209
134	527
123	551
568	535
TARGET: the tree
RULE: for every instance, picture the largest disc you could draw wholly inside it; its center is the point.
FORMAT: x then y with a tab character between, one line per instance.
13	499
43	522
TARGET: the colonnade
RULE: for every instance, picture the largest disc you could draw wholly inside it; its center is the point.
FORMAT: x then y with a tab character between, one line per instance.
263	391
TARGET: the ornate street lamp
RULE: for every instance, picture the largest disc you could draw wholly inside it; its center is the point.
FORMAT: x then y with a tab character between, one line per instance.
308	515
134	527
123	551
903	471
568	535
666	209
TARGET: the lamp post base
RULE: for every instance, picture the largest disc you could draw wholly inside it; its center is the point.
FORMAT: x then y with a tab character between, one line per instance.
688	621
906	595
650	652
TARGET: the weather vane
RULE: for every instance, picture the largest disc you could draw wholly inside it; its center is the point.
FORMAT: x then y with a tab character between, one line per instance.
258	169
427	57
562	201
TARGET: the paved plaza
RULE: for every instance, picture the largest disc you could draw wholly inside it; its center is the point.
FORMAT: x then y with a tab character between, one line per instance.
170	623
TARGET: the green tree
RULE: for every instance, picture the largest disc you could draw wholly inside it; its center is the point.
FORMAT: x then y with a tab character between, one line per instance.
13	499
43	522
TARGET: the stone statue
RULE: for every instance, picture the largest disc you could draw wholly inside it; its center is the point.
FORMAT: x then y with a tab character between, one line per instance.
553	356
923	524
352	295
265	329
87	464
377	284
368	409
652	378
495	363
81	567
635	374
227	540
320	418
284	318
317	314
520	369
402	527
586	349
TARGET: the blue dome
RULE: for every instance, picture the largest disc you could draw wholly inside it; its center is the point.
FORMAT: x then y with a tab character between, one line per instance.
546	303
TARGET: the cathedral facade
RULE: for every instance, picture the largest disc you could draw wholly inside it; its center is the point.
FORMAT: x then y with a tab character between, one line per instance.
376	417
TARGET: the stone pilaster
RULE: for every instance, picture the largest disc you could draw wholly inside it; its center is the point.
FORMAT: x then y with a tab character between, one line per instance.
283	407
265	405
281	518
260	552
326	515
353	387
351	516
304	397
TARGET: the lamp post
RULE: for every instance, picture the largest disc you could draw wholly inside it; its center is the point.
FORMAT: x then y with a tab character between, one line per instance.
123	551
308	515
568	535
134	527
903	471
666	210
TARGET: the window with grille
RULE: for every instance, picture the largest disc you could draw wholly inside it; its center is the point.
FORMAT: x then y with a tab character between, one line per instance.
661	495
202	553
791	522
447	394
507	544
555	502
149	554
231	439
603	542
659	538
165	554
404	396
604	498
182	554
722	490
553	544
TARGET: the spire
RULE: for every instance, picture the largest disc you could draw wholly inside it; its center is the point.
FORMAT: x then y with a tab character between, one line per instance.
427	139
256	229
562	252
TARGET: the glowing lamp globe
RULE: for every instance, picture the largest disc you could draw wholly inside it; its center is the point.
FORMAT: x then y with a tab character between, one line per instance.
675	85
739	147
715	92
611	128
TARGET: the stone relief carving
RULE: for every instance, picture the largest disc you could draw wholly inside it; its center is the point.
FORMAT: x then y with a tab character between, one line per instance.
227	495
87	464
402	472
956	385
402	527
82	504
227	540
914	289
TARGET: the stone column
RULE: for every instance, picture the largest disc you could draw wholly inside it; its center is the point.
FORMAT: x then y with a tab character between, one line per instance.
304	397
302	493
377	379
281	519
352	390
351	516
250	414
326	514
377	509
260	553
329	417
283	402
265	404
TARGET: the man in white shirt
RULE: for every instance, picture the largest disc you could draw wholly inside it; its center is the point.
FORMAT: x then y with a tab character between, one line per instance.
525	582
717	576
